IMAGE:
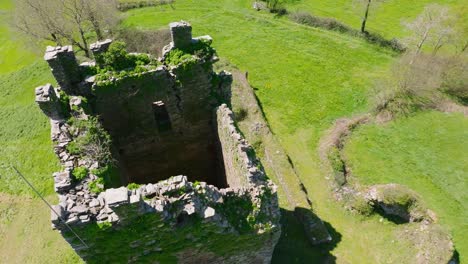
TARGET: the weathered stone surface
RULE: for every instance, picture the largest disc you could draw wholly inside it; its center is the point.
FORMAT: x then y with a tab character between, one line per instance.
209	212
64	67
57	213
115	197
48	101
62	181
100	47
181	33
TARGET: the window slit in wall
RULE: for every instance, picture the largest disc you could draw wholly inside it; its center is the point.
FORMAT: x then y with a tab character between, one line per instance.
161	116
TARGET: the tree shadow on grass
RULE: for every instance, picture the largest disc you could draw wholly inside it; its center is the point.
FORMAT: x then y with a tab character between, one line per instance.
295	247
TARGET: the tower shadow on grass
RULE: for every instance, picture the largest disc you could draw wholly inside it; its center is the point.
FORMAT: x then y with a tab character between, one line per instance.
295	247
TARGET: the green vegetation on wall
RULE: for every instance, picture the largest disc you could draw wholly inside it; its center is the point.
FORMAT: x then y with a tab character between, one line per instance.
165	244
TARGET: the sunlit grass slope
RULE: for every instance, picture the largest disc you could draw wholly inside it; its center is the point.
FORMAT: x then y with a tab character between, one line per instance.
426	152
385	18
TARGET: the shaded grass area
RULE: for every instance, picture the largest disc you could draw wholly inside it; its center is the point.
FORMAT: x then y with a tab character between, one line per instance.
385	18
425	152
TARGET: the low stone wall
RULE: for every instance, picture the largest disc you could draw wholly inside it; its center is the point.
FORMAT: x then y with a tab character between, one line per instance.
238	155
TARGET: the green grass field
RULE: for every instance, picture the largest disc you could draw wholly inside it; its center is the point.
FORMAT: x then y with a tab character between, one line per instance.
385	17
25	232
305	79
426	152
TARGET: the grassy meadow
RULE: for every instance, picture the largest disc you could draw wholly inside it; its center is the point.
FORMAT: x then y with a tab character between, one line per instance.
385	17
305	78
425	152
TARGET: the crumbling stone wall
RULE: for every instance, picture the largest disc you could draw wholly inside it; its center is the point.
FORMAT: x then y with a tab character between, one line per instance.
173	220
237	154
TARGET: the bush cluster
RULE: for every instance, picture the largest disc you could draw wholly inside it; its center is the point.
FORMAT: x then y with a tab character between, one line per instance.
80	173
93	142
116	58
335	25
97	185
133	186
127	5
276	7
419	81
118	63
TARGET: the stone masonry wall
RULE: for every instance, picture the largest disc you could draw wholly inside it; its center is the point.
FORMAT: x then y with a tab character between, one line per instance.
174	220
237	154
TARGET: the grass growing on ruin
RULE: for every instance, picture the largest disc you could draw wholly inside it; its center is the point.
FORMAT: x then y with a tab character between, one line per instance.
385	19
425	152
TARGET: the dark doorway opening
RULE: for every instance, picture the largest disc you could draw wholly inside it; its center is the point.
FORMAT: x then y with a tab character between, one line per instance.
161	116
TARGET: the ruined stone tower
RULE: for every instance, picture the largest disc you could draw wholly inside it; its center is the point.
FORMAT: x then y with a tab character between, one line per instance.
195	191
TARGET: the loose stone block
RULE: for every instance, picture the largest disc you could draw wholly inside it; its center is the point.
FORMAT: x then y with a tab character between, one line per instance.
48	101
115	197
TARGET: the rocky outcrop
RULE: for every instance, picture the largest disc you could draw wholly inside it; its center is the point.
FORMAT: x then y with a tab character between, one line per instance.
395	200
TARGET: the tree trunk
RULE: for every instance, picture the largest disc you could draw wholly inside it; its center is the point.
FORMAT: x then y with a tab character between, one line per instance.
85	43
421	43
364	19
96	27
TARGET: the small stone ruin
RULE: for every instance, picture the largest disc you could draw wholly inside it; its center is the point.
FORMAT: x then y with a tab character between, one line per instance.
154	169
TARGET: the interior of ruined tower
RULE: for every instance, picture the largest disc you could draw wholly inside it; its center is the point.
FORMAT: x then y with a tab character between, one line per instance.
159	131
171	154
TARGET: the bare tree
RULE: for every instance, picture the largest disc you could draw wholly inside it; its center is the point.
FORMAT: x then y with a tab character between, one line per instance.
431	28
66	21
38	19
367	6
460	27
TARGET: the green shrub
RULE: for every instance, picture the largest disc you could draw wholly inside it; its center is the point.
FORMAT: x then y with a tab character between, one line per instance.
177	57
455	80
96	186
202	49
73	148
94	141
335	25
116	57
133	186
64	103
117	63
240	114
335	160
338	166
110	174
360	205
80	173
